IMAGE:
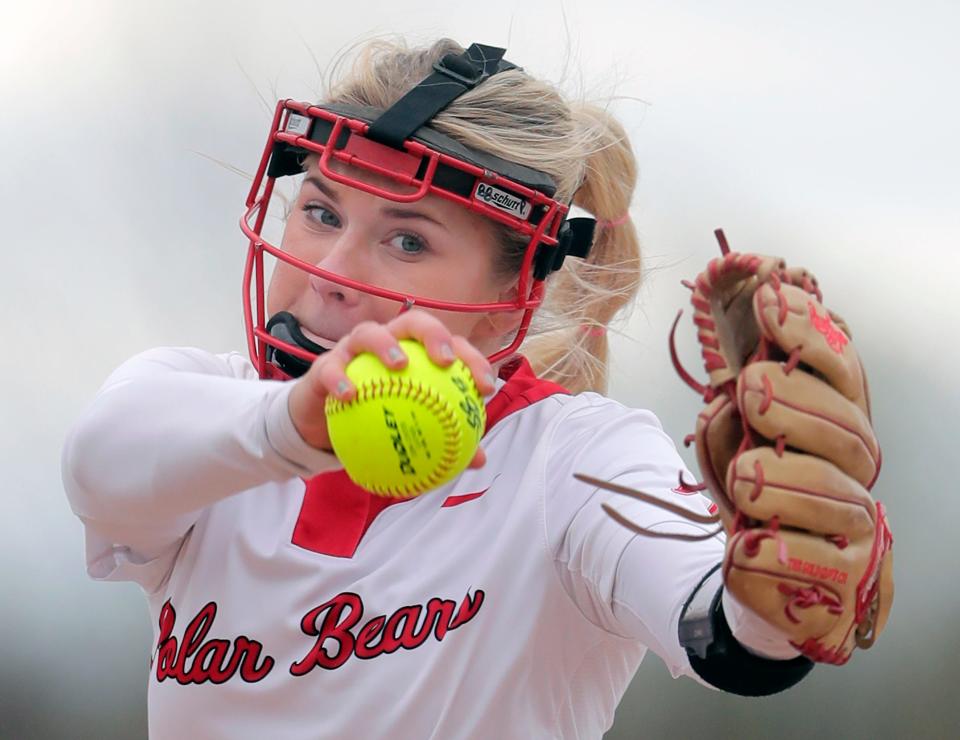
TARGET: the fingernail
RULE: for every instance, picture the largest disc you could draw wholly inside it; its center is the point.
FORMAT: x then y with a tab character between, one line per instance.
490	380
446	352
343	387
396	355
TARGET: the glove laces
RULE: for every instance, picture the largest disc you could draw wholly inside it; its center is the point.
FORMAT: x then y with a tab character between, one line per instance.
660	503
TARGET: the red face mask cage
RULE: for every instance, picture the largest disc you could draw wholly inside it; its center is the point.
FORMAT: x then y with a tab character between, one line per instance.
414	168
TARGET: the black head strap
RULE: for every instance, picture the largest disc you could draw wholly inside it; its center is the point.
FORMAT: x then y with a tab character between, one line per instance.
452	76
574	239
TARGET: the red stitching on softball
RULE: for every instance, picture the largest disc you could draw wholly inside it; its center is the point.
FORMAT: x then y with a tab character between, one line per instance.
429	398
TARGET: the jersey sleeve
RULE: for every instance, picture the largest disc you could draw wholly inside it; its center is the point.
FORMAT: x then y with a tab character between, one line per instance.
170	433
631	585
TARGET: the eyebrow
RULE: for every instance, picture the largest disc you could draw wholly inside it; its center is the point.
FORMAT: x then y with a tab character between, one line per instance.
400	213
323	188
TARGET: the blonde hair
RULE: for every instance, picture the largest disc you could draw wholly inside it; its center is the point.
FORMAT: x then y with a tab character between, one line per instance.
581	146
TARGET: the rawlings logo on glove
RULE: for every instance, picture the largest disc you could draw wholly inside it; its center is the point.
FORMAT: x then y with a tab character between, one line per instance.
788	453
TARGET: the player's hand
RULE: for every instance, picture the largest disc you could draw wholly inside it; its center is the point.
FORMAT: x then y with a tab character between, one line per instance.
327	376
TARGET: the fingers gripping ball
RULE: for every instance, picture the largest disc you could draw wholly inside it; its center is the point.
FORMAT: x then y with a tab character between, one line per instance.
409	430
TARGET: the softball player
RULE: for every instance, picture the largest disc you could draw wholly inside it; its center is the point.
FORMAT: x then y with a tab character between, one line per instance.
287	602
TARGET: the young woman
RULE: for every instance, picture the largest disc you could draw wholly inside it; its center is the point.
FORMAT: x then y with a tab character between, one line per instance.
289	603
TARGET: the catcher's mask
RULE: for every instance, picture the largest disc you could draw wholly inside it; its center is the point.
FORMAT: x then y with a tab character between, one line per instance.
399	148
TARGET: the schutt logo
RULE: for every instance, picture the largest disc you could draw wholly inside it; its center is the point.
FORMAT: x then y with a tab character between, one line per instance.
502	199
197	659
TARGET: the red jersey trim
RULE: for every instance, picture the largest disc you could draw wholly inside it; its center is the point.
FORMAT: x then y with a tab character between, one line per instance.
522	389
336	513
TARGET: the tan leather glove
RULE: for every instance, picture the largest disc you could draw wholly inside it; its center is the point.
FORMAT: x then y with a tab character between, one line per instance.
788	453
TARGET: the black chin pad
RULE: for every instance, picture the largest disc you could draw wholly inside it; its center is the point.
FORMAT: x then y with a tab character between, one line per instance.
285	327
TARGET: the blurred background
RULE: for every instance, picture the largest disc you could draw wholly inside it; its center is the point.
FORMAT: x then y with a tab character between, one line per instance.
822	131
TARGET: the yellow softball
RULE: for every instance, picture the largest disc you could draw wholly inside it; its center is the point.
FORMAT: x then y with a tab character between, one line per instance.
409	430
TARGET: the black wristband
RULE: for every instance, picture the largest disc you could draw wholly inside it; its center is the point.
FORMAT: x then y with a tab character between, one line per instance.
721	661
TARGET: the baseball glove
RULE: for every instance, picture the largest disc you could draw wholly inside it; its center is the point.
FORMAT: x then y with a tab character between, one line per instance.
788	454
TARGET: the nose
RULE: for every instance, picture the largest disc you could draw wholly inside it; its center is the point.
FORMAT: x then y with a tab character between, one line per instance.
342	260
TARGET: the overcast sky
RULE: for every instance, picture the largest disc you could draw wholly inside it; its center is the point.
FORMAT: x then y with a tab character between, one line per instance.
825	132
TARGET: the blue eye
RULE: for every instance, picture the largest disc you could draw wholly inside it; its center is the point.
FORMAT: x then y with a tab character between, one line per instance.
409	244
321	215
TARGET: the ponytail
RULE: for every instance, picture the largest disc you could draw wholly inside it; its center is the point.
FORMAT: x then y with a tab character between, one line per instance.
569	343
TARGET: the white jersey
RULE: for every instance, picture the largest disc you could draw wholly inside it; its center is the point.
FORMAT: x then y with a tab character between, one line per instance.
288	603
